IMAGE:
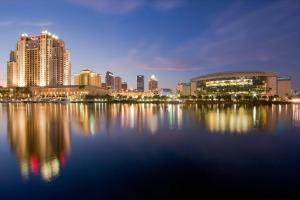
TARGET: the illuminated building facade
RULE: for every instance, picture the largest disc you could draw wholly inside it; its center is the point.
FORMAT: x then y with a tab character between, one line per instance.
41	60
87	77
153	83
183	89
165	92
12	71
140	83
233	83
67	67
73	91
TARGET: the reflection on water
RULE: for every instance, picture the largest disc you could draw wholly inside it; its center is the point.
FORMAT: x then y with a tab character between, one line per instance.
296	115
40	137
221	120
245	118
39	134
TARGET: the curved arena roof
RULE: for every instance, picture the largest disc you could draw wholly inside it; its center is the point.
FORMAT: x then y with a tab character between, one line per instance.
233	74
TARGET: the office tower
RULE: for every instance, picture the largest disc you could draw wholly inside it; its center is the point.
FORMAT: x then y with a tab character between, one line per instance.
124	86
110	80
87	77
118	83
140	83
153	83
67	67
42	60
12	71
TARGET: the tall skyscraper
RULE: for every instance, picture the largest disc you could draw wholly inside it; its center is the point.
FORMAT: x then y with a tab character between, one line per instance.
153	83
12	70
110	80
42	60
140	83
67	68
118	83
57	68
87	77
20	53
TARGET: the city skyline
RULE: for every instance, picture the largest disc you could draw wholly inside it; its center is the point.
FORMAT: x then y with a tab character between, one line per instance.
149	99
181	38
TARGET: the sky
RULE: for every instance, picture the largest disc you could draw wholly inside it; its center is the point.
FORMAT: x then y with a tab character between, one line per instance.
174	39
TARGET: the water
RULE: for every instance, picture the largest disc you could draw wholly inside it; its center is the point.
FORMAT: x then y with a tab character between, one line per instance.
142	151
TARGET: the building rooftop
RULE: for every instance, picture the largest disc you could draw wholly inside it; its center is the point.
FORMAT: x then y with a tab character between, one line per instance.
284	78
234	74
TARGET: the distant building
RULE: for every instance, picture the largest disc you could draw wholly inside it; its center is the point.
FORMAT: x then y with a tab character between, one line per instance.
110	80
153	83
41	60
87	77
124	86
73	91
242	83
284	86
166	92
118	83
140	83
183	89
12	71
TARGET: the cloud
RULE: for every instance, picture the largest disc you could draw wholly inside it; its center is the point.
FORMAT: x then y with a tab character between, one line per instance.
166	5
37	23
5	23
267	37
149	56
260	36
126	6
26	23
110	6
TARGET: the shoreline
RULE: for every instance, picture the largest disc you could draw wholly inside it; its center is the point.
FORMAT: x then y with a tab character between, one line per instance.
187	102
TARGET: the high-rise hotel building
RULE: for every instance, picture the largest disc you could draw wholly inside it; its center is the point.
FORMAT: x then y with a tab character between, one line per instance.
41	60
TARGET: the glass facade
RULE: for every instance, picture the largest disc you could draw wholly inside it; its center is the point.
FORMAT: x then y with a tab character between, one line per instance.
233	85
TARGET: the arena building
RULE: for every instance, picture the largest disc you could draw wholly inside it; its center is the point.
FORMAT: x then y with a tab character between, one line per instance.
241	82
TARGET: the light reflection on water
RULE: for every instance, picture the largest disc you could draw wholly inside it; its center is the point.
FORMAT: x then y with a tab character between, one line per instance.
40	137
296	115
40	134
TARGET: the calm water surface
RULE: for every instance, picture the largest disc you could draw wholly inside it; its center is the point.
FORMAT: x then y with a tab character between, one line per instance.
140	151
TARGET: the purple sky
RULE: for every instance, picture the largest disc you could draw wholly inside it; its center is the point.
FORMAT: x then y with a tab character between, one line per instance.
175	40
